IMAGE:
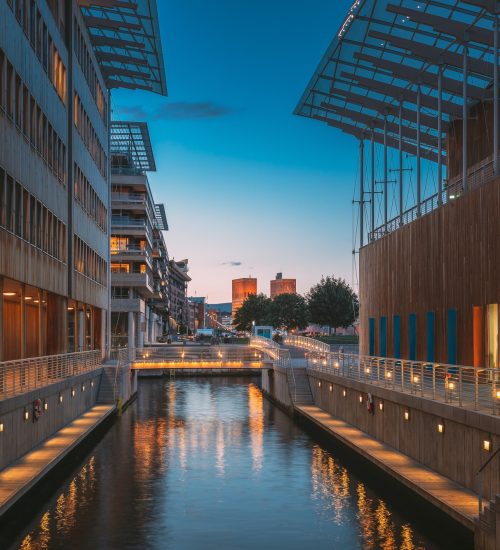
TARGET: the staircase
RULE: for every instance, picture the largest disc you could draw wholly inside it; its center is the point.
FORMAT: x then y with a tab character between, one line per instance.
106	393
300	390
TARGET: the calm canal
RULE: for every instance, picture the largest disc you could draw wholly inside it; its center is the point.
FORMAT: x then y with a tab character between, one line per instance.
210	463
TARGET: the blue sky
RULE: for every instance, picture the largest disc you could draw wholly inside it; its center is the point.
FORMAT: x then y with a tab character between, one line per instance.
249	188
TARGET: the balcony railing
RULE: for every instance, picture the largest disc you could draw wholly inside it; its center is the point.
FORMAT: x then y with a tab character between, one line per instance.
303	342
479	175
24	375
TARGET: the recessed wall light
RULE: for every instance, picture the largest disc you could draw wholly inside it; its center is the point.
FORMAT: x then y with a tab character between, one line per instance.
381	406
441	427
407	414
487	445
344	392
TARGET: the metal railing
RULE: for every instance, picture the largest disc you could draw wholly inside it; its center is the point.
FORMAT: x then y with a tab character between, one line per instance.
280	356
309	344
480	473
24	375
470	387
477	176
226	356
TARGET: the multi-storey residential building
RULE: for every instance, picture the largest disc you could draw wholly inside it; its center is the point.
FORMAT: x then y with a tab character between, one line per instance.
139	258
58	61
178	282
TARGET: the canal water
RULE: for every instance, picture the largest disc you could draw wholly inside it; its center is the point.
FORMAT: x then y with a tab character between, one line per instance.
212	464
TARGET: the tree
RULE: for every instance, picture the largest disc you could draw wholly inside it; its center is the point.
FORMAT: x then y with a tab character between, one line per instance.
289	311
255	308
332	302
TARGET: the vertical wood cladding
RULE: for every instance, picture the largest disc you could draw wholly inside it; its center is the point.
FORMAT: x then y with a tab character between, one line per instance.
448	259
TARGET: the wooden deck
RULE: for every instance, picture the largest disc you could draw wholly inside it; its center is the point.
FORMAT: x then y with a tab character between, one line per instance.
453	499
18	479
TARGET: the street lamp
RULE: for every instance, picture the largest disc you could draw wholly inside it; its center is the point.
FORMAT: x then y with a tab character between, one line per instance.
253	328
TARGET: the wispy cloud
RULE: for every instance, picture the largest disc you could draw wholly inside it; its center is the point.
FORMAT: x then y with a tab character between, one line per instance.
179	110
232	263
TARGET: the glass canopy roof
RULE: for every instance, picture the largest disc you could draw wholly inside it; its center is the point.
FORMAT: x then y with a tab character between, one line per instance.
384	50
126	38
131	141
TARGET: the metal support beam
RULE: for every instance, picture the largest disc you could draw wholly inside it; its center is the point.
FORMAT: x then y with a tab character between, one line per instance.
465	116
361	193
440	135
495	98
372	189
400	163
386	174
419	108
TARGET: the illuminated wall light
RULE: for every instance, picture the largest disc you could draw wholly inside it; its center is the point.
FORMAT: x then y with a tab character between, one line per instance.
498	394
416	379
91	383
45	406
487	445
336	364
344	392
381	406
441	427
60	398
72	392
83	387
331	387
451	385
1	427
407	415
324	362
388	374
367	370
26	415
9	293
319	384
361	399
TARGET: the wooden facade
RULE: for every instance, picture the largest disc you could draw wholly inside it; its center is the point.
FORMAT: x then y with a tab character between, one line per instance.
441	267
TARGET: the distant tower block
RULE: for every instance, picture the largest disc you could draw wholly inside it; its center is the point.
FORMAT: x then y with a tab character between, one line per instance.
283	286
242	288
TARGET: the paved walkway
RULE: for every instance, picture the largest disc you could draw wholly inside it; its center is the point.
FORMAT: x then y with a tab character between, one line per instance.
19	478
455	500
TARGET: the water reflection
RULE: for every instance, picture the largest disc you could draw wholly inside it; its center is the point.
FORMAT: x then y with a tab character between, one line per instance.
210	463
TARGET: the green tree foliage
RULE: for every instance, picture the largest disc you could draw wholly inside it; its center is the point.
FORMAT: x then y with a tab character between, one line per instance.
257	307
289	311
332	302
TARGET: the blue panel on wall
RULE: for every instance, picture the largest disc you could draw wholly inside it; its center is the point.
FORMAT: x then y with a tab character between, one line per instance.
383	336
371	326
412	324
430	336
452	336
397	336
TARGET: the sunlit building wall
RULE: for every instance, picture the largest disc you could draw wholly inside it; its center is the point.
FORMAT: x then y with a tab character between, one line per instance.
242	289
283	286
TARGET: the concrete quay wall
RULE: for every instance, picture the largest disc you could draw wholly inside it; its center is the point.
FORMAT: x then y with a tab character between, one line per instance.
19	435
456	452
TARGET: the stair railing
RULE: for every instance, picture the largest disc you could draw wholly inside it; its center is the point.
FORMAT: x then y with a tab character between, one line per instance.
480	478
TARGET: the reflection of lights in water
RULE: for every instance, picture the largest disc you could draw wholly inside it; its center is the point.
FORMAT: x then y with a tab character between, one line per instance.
220	463
256	424
366	517
385	527
43	539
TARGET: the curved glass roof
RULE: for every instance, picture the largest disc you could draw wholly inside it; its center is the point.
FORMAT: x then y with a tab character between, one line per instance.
384	50
125	35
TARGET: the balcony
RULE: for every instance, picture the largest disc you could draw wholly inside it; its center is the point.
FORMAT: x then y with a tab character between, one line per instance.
141	281
124	305
131	227
131	254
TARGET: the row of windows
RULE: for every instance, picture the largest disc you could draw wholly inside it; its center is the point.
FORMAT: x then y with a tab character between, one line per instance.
135	267
35	29
89	136
22	108
84	58
25	216
88	199
89	263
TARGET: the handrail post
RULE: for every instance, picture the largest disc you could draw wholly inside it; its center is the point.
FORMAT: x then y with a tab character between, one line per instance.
476	389
422	372
460	386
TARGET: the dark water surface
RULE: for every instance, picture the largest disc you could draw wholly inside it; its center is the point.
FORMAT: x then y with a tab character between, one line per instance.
210	463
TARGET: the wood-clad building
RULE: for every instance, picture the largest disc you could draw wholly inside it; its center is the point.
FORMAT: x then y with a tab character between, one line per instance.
418	86
57	66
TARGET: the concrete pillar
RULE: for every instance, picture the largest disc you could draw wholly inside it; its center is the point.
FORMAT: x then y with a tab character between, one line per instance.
131	332
140	330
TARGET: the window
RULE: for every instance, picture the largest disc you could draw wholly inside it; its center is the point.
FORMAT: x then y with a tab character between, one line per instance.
26	111
2	197
18	101
2	80
9	203
10	90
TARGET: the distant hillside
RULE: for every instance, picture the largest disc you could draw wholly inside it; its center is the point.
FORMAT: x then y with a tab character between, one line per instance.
221	308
